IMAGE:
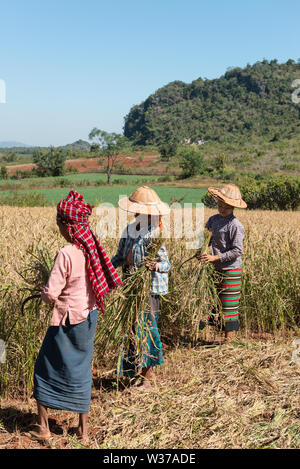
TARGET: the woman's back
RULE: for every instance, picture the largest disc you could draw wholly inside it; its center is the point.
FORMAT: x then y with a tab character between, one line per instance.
69	287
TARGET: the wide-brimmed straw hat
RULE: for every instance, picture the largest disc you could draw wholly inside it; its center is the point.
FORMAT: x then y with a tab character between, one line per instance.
144	200
230	194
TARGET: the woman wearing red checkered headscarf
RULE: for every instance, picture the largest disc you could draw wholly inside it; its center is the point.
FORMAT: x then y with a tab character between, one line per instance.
82	274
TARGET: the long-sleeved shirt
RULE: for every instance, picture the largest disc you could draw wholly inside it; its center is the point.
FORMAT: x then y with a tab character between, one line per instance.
132	251
226	241
69	287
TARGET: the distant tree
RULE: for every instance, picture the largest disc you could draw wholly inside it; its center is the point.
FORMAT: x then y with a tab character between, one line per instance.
68	152
95	147
50	162
4	173
272	193
221	161
111	145
276	137
10	157
168	149
191	162
208	201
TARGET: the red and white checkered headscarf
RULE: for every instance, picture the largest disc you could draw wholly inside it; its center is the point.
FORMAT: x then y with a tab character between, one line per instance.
74	213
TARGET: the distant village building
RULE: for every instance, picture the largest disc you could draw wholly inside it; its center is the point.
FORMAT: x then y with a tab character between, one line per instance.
188	141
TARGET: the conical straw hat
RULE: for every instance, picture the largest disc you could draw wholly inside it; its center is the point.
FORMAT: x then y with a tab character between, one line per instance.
144	200
230	194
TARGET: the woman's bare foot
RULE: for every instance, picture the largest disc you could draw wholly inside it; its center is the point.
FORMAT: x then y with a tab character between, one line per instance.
82	436
42	433
148	379
81	431
228	336
145	386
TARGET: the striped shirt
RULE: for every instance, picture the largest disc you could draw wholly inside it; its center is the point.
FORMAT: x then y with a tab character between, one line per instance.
226	241
132	252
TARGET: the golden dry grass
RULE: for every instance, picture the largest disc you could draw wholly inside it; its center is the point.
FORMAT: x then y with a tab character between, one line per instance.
239	395
20	226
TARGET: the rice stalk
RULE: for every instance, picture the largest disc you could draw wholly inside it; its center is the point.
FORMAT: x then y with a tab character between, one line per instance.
36	273
124	326
193	295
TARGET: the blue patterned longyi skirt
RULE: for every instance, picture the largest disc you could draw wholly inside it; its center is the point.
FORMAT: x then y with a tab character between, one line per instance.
62	373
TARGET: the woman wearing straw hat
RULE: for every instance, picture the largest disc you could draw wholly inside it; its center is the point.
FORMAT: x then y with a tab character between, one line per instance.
148	209
82	274
226	253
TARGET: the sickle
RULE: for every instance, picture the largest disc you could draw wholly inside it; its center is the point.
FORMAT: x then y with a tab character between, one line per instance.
22	311
28	299
189	259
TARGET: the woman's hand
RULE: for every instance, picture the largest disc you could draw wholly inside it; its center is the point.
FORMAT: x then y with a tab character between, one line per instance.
152	265
209	258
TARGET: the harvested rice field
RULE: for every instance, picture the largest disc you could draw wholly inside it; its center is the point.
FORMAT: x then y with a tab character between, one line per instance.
239	395
209	393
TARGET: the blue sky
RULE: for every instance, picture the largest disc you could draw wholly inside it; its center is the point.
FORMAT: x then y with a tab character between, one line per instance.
73	65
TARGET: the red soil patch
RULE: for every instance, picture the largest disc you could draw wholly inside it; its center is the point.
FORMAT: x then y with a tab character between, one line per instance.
85	165
20	167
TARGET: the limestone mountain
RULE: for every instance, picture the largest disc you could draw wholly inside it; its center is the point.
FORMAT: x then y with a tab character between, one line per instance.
244	103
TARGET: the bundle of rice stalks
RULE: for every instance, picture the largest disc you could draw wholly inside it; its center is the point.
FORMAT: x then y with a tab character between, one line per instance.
36	273
125	326
25	327
193	296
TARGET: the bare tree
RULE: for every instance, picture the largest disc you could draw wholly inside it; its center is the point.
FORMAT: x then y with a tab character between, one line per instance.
110	145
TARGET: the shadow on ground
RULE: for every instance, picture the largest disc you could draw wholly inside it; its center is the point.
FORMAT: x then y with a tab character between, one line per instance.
13	419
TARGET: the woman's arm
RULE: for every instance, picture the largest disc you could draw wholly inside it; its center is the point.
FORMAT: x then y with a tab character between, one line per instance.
162	264
236	234
57	279
208	224
118	259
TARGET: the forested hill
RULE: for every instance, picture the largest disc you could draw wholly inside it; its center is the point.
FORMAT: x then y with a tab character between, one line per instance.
242	104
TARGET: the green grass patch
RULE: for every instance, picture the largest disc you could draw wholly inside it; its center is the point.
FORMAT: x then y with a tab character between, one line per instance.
110	194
